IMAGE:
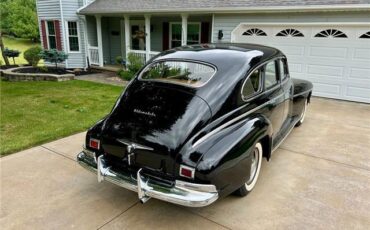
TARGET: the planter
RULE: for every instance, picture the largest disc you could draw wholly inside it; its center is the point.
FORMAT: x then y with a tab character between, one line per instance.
20	74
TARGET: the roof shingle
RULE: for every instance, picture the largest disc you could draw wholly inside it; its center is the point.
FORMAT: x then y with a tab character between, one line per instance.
125	6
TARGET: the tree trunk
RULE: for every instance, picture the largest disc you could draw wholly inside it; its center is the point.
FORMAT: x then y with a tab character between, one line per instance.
2	50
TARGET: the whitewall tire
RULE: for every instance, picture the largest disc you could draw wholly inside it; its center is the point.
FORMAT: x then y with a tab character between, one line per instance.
255	169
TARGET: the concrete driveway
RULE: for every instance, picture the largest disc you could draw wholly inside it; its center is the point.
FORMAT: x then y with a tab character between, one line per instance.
318	179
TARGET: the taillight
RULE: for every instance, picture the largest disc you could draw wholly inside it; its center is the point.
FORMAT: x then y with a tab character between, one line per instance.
94	143
186	171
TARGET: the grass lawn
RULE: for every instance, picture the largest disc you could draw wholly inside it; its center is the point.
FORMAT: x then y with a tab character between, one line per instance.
32	113
17	44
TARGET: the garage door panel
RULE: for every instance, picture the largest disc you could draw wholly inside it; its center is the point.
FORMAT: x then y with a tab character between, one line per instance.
328	52
359	74
291	50
295	67
327	89
361	54
322	70
358	92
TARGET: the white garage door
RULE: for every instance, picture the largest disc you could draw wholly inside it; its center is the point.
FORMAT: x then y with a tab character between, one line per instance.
335	58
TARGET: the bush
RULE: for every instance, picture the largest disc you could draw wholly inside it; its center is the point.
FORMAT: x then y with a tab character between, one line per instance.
135	63
119	60
125	74
11	54
32	55
54	56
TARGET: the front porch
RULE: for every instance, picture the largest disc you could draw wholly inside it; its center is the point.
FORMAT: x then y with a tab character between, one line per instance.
110	36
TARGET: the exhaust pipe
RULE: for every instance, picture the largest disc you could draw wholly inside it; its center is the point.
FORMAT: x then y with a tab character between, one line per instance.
144	199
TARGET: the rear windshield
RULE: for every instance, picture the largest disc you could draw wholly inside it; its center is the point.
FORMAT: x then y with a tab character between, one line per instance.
179	72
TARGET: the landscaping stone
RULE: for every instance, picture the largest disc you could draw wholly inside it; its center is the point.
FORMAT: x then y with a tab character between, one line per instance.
10	75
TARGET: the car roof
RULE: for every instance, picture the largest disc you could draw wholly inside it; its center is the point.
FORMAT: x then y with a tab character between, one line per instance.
220	54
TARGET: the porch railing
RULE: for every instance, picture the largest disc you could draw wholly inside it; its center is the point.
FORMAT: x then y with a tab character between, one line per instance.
141	54
94	55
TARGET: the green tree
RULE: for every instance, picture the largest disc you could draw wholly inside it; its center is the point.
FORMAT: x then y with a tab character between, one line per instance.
19	18
54	56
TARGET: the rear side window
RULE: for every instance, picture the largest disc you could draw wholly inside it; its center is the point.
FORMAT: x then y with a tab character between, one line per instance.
252	85
179	72
282	69
271	78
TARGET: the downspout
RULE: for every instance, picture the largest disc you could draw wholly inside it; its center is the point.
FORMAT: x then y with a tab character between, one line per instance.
63	29
212	27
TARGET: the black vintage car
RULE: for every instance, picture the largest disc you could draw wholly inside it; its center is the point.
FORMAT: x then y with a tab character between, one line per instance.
195	123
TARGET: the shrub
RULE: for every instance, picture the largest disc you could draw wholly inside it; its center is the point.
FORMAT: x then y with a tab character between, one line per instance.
54	56
11	54
32	55
135	63
125	74
120	60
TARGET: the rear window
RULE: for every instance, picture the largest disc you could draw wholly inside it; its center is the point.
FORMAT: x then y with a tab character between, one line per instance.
179	72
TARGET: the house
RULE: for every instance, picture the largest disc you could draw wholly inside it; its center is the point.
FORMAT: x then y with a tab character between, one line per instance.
326	41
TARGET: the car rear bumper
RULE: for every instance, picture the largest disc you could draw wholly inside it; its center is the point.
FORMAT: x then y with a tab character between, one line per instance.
182	193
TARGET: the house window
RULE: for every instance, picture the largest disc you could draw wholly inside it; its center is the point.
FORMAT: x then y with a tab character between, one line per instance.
254	32
52	44
333	33
289	33
73	40
192	38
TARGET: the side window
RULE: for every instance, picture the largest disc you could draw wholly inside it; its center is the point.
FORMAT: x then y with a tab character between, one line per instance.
252	85
271	77
282	69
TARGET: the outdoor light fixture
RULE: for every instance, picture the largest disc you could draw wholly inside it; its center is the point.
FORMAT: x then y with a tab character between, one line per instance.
220	35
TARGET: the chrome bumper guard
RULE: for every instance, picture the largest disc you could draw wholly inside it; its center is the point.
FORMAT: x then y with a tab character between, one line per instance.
182	193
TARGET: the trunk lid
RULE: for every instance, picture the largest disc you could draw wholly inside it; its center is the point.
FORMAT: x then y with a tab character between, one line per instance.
152	123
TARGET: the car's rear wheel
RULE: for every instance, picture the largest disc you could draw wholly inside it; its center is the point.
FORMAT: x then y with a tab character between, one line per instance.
303	114
254	171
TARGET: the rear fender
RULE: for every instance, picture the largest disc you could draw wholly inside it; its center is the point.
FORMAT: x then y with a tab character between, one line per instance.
227	162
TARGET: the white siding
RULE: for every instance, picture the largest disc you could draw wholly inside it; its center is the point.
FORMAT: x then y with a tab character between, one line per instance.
50	10
70	7
228	22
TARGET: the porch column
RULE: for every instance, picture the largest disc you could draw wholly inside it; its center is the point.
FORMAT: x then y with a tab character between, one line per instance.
184	26
147	37
100	40
127	35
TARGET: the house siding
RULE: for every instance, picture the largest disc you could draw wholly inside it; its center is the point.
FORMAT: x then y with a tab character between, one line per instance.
51	10
228	22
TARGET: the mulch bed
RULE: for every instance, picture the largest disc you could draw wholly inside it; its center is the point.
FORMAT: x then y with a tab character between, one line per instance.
53	70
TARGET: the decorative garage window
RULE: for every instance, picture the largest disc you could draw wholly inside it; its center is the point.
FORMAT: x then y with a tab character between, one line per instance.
254	32
289	33
365	35
331	33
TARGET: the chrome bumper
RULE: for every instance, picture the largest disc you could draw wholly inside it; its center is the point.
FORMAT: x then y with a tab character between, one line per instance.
182	193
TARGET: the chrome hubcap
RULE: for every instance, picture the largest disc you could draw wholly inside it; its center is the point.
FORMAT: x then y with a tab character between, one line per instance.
254	165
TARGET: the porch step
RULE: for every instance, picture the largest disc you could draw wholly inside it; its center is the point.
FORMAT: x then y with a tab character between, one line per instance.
110	68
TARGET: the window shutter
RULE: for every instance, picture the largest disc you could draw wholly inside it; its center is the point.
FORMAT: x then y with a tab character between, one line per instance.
166	36
58	35
43	34
204	34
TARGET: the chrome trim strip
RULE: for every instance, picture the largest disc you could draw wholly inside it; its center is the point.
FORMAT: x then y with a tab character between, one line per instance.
296	95
282	140
182	193
234	120
134	145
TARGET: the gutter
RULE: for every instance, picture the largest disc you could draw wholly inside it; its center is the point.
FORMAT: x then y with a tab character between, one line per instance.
267	9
